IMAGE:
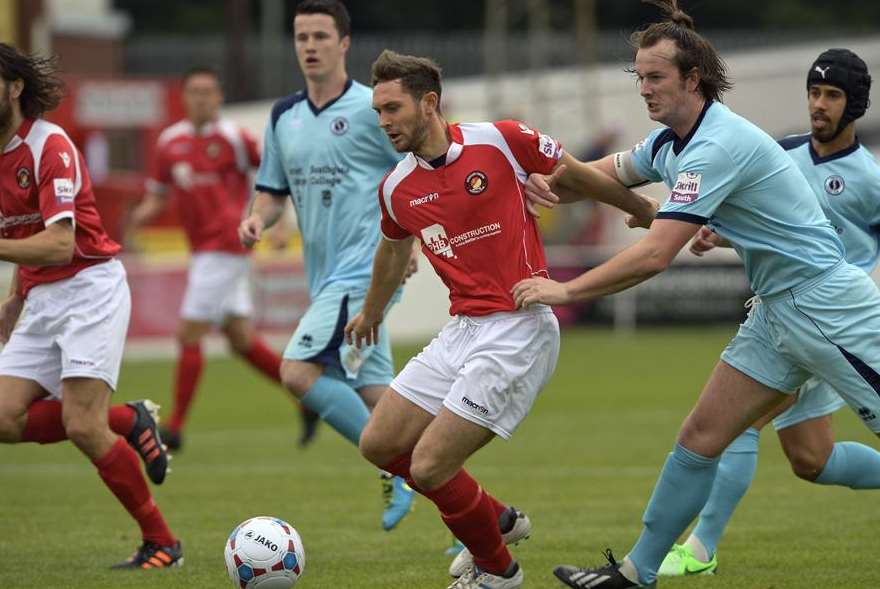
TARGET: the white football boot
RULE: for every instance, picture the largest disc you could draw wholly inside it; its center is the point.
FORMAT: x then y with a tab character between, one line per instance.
521	529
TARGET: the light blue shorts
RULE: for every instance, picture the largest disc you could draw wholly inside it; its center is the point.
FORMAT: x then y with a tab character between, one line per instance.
816	398
828	327
320	338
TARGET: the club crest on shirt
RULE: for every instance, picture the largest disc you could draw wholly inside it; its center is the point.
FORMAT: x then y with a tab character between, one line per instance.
213	150
339	126
476	182
23	177
687	188
834	185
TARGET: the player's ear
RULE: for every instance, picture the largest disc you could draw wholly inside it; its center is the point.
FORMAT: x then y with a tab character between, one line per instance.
16	87
431	102
345	43
692	80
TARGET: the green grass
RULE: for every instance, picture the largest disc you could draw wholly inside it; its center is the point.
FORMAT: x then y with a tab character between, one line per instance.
583	465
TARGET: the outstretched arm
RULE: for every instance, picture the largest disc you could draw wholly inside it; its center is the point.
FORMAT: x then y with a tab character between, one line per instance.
573	180
634	265
389	267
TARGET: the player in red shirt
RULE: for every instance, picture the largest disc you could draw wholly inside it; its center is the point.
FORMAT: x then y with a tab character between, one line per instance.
460	191
205	161
68	345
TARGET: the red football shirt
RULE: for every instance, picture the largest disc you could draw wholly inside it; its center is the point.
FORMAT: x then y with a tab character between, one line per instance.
208	174
470	213
43	179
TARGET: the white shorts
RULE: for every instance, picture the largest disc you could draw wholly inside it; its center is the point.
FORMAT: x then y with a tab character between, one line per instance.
71	328
487	370
217	287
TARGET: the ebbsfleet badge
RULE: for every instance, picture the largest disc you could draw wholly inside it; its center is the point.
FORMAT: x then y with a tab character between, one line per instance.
476	182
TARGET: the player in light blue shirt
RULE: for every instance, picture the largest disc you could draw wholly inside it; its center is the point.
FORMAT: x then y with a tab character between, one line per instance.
324	150
846	179
816	314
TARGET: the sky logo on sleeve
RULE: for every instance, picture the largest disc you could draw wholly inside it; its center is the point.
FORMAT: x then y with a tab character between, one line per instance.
64	191
687	188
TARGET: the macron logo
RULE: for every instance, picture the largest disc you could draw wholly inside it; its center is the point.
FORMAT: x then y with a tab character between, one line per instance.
425	199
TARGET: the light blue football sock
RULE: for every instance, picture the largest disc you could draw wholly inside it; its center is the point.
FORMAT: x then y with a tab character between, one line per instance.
339	405
852	465
681	491
735	473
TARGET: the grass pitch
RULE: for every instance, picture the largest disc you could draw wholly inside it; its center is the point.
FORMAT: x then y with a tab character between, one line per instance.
582	465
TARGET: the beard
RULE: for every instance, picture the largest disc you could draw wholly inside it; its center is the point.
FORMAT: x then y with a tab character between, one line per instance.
419	134
823	135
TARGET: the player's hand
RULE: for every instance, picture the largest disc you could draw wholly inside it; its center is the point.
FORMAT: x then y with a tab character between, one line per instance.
703	241
539	191
363	330
539	290
251	230
644	220
10	310
412	266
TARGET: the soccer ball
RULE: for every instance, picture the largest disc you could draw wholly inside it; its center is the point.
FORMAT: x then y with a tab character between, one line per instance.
264	553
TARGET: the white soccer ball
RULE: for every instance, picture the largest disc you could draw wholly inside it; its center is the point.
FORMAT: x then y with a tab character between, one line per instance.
264	553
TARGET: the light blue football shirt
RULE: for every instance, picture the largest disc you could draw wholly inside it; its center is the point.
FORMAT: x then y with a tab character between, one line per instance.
847	184
330	161
730	175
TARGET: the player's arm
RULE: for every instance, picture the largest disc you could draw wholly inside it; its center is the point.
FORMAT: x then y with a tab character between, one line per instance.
389	267
573	180
153	203
53	246
266	209
10	309
639	262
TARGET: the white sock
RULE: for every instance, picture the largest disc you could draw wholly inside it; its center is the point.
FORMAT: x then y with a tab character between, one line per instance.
700	552
628	570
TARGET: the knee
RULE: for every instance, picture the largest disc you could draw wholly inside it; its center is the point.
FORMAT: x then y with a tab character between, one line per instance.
807	466
375	448
298	377
12	424
696	437
238	343
82	429
428	471
186	337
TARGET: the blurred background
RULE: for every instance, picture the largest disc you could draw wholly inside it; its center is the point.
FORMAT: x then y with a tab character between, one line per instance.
556	64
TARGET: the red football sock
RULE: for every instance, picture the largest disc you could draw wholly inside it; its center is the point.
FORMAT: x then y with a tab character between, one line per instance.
121	472
497	505
121	419
189	369
264	359
400	467
468	512
43	423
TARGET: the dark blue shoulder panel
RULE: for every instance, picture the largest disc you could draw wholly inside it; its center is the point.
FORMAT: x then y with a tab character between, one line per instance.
663	138
285	104
789	143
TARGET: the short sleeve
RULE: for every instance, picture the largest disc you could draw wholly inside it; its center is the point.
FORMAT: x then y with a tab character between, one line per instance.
707	175
60	179
159	177
390	229
251	148
642	156
270	176
535	151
